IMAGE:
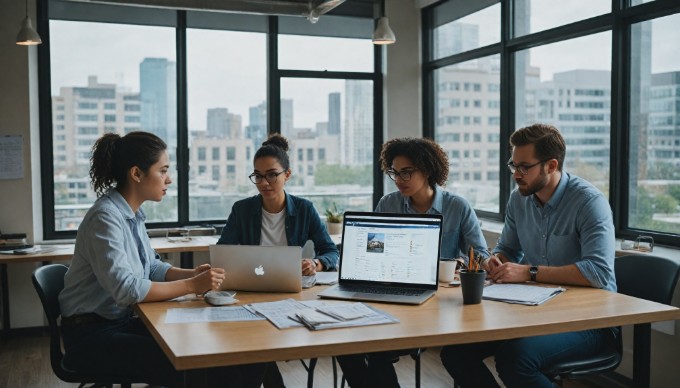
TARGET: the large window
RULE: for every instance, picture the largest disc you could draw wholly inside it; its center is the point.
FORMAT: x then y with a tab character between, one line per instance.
608	78
568	84
468	128
105	79
227	111
331	135
654	162
205	82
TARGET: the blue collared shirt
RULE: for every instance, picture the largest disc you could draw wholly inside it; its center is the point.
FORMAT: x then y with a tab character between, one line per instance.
461	228
244	226
113	263
574	227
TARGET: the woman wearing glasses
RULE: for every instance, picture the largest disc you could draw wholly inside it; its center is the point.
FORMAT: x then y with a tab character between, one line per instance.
274	217
419	168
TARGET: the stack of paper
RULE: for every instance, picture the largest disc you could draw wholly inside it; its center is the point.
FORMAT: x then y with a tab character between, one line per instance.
329	315
317	315
520	293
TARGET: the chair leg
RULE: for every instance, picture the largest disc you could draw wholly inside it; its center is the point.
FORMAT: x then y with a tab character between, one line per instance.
335	372
310	372
418	371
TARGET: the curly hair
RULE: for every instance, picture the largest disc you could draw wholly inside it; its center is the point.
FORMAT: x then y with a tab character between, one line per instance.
426	155
275	146
113	156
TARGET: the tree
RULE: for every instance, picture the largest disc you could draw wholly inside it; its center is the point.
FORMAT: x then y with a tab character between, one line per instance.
335	174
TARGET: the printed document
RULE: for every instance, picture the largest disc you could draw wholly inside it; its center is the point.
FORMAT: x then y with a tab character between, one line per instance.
526	294
210	314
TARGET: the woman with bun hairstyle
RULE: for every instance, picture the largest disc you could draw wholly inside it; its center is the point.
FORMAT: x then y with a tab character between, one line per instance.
114	267
276	218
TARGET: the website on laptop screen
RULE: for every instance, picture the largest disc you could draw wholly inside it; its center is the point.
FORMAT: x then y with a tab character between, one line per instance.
397	250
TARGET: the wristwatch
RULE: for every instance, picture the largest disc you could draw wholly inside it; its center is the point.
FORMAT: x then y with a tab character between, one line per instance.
533	271
316	263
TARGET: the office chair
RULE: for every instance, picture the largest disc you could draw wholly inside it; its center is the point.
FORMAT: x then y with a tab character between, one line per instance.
641	276
48	282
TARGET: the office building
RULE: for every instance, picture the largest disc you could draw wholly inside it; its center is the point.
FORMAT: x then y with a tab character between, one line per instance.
158	95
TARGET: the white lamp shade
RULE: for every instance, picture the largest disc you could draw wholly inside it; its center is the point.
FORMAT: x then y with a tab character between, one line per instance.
383	33
27	35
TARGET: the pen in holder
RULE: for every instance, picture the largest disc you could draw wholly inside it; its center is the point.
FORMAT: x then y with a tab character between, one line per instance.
472	279
472	284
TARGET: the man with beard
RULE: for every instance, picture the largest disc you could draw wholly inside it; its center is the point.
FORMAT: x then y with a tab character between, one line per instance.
558	229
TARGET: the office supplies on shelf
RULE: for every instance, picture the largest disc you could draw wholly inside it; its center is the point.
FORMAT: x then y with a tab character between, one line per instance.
521	293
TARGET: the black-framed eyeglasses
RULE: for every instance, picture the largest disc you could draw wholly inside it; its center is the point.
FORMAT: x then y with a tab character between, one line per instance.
270	177
522	168
405	175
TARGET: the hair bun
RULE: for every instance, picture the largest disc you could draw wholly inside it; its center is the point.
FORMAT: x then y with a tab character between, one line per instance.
277	140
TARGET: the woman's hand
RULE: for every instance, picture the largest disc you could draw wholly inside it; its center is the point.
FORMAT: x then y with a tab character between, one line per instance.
310	267
201	268
208	279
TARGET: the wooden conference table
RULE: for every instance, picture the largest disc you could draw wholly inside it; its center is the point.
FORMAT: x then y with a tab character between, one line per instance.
443	320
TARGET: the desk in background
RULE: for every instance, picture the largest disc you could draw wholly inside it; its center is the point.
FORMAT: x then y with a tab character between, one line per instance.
443	320
64	252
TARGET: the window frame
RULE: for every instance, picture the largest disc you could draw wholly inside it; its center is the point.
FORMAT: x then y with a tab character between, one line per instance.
619	22
178	20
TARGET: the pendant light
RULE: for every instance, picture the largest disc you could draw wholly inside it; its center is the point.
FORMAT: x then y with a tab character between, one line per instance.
27	35
383	33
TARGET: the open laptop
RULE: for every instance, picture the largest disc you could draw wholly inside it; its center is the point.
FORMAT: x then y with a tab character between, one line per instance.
257	268
388	258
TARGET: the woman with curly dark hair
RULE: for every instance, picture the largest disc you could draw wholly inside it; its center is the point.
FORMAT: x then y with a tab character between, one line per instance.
419	168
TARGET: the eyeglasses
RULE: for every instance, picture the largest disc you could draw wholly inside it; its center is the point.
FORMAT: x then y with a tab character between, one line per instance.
270	177
405	175
523	169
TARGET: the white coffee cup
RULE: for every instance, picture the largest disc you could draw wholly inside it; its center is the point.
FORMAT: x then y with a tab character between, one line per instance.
447	270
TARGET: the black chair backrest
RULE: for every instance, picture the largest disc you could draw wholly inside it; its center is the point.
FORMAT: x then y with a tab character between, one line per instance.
647	277
48	281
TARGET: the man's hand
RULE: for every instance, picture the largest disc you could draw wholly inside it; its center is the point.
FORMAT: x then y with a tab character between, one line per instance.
491	263
509	273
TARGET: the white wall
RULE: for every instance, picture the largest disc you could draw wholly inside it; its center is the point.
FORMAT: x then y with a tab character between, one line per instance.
19	116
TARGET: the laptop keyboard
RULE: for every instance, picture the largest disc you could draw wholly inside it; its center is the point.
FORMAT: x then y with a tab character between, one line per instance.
378	290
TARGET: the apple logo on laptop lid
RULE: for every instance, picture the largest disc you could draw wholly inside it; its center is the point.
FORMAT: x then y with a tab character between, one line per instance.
259	271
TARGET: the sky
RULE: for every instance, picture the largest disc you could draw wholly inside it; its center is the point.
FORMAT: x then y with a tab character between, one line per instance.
225	68
228	68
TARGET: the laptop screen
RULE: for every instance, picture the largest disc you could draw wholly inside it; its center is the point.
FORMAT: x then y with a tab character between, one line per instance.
390	248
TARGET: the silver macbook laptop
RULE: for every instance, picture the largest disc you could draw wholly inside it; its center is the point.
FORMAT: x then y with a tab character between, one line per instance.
388	258
257	268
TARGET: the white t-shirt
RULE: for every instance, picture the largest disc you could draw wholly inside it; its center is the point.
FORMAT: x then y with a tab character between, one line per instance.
273	229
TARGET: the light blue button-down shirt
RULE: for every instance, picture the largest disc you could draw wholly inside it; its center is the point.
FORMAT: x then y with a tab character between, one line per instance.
460	228
108	275
574	227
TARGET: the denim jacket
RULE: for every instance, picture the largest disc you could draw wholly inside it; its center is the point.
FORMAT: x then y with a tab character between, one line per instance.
244	227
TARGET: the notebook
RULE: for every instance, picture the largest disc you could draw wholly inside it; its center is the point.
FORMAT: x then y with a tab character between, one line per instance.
257	268
388	257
